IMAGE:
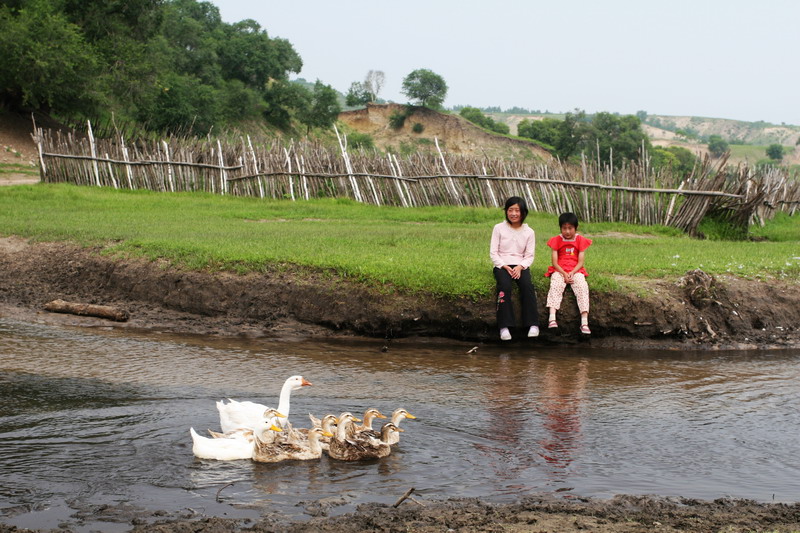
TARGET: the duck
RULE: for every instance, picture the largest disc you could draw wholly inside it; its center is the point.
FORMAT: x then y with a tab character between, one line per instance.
362	447
235	415
238	445
369	415
398	415
327	424
283	451
269	413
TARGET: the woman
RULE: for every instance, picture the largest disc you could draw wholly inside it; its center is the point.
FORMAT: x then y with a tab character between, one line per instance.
512	251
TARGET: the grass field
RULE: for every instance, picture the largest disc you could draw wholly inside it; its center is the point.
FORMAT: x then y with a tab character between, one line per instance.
441	250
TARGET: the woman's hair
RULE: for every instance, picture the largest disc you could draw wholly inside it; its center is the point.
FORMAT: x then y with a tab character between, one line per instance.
523	208
568	218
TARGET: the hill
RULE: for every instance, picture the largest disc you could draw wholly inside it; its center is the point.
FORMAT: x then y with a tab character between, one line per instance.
455	134
748	140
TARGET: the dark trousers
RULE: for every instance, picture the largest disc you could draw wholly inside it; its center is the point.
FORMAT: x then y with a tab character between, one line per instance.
505	311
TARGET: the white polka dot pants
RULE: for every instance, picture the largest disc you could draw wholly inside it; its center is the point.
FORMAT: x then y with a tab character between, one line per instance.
579	287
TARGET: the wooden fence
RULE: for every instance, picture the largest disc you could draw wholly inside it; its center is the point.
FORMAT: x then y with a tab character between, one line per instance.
634	193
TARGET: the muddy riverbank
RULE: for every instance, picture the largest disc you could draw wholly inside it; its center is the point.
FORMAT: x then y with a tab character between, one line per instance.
537	513
696	311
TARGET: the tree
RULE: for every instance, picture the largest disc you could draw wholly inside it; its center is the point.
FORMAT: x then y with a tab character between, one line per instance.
357	95
617	138
373	83
775	152
46	62
717	145
546	130
474	115
322	109
425	87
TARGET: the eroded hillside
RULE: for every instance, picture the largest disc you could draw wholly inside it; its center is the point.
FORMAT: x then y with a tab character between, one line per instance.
455	134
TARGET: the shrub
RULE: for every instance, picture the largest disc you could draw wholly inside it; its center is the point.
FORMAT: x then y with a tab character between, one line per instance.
398	119
361	140
417	128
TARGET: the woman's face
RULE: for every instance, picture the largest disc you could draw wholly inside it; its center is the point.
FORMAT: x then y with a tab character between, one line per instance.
514	214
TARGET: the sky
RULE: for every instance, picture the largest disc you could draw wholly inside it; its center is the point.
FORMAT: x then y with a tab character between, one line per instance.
735	59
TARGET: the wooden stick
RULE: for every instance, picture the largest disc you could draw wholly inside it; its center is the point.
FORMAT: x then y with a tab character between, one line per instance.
404	497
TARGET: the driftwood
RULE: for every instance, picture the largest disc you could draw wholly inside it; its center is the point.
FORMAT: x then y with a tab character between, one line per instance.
82	309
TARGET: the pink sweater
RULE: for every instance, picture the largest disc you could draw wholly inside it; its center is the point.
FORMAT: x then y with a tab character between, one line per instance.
511	246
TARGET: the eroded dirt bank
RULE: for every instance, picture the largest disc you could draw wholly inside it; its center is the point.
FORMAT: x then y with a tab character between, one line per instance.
695	311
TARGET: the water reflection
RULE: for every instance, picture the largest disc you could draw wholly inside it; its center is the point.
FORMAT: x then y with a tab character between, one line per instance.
561	405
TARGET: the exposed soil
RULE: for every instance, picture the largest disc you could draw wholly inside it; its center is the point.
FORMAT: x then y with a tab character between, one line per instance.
697	311
535	514
455	134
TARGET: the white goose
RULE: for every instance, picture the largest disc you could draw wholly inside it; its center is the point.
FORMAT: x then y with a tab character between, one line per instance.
235	415
236	445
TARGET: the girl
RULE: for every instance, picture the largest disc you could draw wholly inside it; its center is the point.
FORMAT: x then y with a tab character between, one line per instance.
512	251
569	249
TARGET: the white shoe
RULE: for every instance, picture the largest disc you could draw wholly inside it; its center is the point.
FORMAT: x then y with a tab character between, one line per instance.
505	334
534	331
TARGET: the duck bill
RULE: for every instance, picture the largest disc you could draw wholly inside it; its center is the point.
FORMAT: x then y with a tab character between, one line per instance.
409	415
305	383
273	427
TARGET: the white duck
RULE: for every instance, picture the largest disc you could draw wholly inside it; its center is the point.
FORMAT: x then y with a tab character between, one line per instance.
237	445
234	415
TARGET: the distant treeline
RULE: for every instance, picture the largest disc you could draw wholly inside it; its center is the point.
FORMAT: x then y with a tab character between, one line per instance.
171	65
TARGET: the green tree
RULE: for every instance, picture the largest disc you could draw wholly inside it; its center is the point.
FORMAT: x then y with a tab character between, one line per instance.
546	130
425	87
775	152
322	108
617	138
357	95
675	158
717	145
476	116
46	63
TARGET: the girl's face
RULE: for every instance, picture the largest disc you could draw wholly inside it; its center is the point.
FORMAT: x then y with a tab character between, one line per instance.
514	215
568	231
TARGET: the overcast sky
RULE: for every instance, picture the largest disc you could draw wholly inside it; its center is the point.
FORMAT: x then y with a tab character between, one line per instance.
737	59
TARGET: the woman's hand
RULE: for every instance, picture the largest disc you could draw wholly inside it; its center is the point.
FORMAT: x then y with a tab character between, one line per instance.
515	272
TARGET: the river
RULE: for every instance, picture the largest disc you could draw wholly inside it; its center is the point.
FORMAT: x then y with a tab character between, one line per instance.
94	419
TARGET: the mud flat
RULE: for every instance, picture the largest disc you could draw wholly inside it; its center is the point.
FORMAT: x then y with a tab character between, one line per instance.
537	513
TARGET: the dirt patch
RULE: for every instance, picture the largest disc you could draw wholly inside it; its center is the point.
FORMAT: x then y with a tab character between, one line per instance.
537	514
697	311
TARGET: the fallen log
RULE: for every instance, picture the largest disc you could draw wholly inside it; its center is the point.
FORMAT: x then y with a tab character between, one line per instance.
76	308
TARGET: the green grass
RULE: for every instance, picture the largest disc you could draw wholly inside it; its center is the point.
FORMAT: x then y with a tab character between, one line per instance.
751	152
441	250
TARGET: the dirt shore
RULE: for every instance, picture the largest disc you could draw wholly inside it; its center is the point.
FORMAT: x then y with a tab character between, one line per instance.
694	312
534	514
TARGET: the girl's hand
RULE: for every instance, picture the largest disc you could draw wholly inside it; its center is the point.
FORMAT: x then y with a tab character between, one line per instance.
568	277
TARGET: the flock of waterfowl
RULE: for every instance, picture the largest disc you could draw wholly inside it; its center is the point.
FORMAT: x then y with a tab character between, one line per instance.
264	434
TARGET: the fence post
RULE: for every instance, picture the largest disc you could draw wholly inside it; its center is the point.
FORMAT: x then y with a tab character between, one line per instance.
94	155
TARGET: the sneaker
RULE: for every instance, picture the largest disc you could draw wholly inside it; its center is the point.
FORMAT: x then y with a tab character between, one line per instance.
534	331
505	334
585	329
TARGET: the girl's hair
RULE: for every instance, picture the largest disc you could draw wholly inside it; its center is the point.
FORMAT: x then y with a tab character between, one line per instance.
568	218
523	208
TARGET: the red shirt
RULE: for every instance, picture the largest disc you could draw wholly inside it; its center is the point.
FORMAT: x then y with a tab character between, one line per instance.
568	252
